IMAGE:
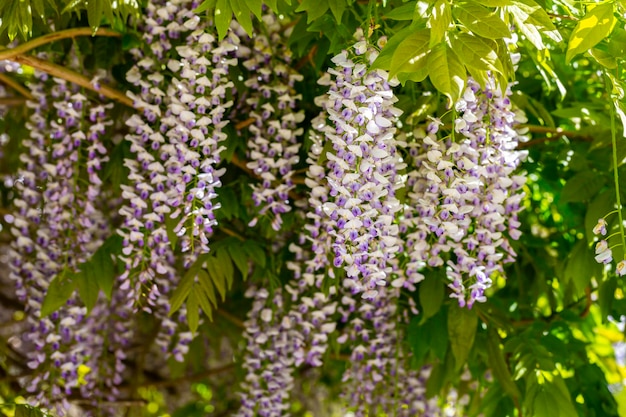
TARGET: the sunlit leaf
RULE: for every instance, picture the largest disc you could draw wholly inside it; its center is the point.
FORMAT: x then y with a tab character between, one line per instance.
446	71
480	20
591	29
411	55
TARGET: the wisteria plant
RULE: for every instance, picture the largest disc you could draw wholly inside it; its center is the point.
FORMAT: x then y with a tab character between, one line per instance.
312	208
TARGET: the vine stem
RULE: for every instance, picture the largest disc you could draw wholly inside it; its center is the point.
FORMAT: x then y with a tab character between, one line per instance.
10	82
18	54
74	77
615	171
11	53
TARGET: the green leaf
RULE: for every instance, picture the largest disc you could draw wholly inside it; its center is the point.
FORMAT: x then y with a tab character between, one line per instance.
204	6
439	21
338	7
243	15
256	7
581	187
404	12
59	291
314	8
498	365
255	252
226	266
206	284
383	61
446	71
203	297
193	318
223	16
431	295
462	324
411	54
95	10
581	267
103	265
480	20
591	29
88	290
240	259
217	276
23	410
495	3
533	21
606	296
476	52
184	288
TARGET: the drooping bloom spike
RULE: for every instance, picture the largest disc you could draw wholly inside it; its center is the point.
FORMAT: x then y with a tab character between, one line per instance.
272	342
177	142
465	195
274	139
58	225
376	360
360	165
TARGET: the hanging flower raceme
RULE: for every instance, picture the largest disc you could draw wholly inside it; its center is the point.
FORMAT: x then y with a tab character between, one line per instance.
359	163
272	341
378	378
274	133
465	194
170	203
58	224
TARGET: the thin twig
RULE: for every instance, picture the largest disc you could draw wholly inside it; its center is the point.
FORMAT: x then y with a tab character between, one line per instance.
11	53
232	233
10	82
234	320
12	101
244	123
74	77
189	378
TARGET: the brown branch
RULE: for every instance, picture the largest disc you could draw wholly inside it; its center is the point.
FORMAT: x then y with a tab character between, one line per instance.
307	58
242	165
229	317
244	123
12	101
11	53
10	82
232	233
71	76
190	378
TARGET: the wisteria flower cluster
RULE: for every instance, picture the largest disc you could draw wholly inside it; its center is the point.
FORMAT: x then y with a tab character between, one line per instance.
464	196
300	334
274	140
358	168
177	142
58	225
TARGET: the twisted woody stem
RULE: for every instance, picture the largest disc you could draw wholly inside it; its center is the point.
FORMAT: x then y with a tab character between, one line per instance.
18	54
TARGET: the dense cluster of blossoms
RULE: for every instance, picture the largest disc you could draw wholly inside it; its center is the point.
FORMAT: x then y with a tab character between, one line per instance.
177	142
464	197
359	170
377	359
58	225
274	140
